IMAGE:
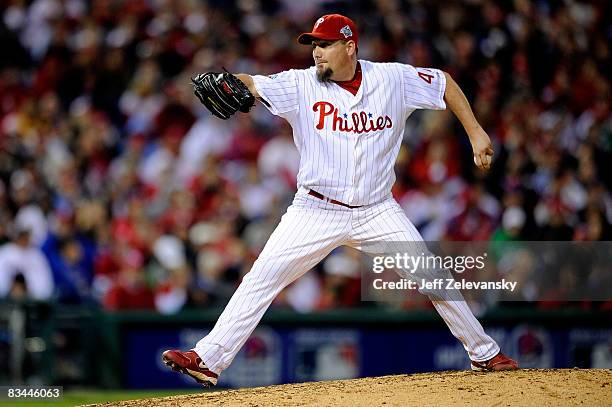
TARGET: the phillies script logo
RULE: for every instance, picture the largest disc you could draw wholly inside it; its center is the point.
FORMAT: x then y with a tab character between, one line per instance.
360	122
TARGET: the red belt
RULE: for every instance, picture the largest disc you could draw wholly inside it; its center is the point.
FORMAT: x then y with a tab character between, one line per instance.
324	198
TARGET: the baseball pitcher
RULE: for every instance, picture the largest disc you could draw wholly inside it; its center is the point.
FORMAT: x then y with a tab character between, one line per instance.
348	117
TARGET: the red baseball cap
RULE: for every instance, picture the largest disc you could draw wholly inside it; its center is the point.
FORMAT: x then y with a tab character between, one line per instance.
331	27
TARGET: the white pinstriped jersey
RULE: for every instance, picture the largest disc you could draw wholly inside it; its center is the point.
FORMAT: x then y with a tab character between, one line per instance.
348	143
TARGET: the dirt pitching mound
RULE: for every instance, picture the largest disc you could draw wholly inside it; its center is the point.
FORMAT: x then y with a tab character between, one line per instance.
592	387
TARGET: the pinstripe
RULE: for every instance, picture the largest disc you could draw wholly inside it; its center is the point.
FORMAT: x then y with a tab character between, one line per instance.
454	310
274	242
301	255
364	140
391	225
298	261
380	175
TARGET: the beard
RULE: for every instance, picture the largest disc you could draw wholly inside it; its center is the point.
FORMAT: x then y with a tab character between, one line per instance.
324	75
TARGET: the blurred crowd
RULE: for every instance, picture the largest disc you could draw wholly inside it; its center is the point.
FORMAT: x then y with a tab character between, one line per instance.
118	188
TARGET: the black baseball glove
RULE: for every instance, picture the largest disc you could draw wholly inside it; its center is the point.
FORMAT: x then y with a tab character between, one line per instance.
222	93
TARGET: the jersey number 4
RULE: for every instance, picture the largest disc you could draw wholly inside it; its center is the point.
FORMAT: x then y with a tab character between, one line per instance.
426	77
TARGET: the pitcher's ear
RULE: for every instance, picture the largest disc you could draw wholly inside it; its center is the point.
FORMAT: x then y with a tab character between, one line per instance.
351	47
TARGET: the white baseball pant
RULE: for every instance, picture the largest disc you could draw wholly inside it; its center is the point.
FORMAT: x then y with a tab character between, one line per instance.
307	233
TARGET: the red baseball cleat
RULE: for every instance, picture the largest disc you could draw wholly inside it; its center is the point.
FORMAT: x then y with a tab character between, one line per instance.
497	363
190	364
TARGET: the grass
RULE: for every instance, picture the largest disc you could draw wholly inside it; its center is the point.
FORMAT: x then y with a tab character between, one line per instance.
78	397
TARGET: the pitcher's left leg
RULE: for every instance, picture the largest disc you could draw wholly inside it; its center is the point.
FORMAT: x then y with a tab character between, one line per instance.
386	222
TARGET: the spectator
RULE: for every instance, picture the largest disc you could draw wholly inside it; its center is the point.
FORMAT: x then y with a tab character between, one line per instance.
24	268
129	289
71	259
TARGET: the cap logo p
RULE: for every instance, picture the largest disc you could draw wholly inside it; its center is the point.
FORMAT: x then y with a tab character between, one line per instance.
346	31
319	21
